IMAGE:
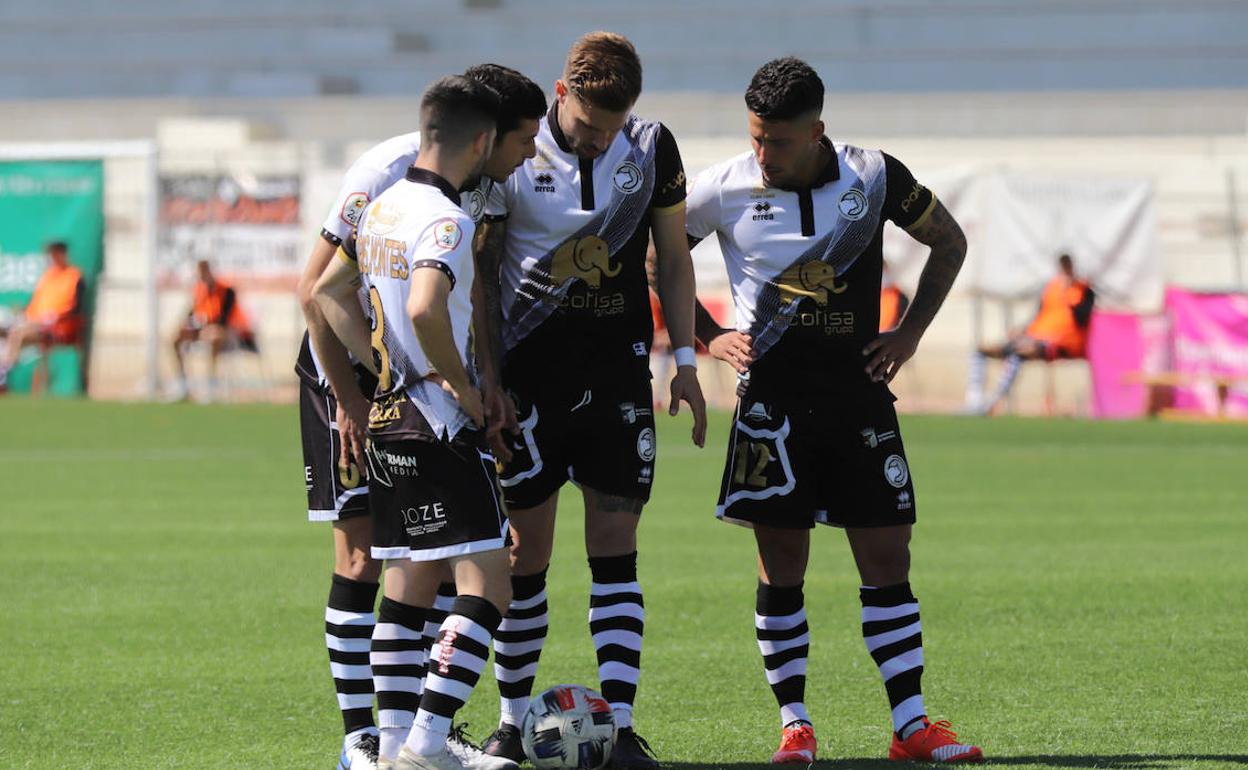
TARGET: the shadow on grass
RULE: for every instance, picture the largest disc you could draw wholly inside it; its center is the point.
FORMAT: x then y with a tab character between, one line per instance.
1089	761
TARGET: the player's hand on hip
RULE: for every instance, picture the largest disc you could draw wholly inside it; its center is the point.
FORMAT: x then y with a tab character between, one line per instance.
734	348
886	353
470	401
352	419
685	387
500	420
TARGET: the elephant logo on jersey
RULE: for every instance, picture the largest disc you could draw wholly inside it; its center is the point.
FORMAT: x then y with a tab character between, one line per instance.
627	178
383	218
585	258
809	279
853	204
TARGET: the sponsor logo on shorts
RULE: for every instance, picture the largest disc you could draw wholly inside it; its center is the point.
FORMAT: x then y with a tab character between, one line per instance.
871	439
646	444
400	465
853	204
639	348
629	412
646	475
896	472
904	502
627	177
424	519
758	412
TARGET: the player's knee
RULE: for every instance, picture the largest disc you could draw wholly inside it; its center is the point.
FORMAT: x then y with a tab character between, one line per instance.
611	537
529	557
357	564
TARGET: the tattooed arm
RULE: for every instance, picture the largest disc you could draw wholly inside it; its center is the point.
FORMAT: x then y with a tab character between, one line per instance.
938	229
487	321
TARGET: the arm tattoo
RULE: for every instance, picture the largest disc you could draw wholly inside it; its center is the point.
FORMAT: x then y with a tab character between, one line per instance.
488	263
942	233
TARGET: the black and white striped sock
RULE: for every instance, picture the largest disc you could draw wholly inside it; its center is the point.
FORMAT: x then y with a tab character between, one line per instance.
349	621
617	621
890	627
398	661
455	664
784	641
518	646
436	614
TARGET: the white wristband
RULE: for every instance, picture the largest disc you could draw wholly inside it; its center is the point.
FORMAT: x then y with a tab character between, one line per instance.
686	356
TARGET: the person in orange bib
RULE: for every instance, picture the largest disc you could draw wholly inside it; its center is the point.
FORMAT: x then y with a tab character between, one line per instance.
1058	330
54	315
216	318
893	302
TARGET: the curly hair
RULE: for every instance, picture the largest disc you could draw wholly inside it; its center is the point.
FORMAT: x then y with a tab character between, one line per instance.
784	89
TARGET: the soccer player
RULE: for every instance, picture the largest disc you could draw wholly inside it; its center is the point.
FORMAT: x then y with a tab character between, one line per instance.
54	314
216	318
1059	330
815	437
577	335
337	489
431	476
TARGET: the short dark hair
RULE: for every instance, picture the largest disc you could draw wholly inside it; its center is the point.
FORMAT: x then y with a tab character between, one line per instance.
60	246
455	109
603	69
1066	262
519	97
784	89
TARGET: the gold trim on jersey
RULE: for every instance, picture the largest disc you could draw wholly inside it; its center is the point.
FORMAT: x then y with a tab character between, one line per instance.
927	212
664	211
345	257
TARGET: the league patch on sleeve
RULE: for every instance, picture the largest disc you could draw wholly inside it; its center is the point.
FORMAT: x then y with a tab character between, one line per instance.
353	208
446	233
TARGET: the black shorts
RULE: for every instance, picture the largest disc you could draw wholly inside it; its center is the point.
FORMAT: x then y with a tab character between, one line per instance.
796	462
334	492
434	499
600	436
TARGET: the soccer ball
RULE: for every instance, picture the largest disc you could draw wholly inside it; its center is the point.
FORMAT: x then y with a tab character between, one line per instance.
569	726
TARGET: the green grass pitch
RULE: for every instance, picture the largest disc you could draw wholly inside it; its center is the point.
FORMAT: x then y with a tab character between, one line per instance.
1084	589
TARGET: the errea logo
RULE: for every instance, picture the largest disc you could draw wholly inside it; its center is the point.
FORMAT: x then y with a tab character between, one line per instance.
545	183
762	212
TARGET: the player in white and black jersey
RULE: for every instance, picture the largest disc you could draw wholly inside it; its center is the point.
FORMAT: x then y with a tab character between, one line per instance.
431	475
337	489
815	438
577	331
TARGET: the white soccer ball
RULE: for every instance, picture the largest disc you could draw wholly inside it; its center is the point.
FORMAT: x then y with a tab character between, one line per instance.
569	726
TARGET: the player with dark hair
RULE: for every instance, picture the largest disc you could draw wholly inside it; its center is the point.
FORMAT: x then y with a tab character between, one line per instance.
433	482
576	332
215	318
335	392
815	437
54	315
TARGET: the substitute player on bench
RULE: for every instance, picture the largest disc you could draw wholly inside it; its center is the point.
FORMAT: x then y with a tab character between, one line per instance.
815	438
577	335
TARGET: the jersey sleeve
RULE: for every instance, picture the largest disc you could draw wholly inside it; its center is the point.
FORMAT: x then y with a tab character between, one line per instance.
361	184
669	174
906	201
497	202
446	245
702	215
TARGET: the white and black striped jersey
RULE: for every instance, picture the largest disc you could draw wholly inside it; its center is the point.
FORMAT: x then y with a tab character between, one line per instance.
371	174
805	264
416	224
573	269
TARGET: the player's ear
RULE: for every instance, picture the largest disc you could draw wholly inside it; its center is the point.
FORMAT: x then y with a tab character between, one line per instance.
561	90
817	130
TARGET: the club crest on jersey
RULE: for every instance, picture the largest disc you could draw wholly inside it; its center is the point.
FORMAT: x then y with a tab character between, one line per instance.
586	258
383	218
896	472
646	445
853	204
809	279
627	177
446	233
353	208
476	205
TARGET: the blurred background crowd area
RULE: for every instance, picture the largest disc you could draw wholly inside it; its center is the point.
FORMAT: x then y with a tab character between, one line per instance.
154	136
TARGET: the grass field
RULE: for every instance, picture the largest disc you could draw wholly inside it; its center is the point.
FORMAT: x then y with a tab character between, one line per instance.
1084	588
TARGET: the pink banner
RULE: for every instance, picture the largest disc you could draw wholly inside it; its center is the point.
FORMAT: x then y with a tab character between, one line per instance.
1115	350
1210	333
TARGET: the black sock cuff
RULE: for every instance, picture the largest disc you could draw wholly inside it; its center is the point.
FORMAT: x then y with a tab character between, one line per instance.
886	596
446	590
614	569
778	600
352	595
479	611
406	615
528	586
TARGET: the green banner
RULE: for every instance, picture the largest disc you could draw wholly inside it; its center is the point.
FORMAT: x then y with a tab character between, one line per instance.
42	201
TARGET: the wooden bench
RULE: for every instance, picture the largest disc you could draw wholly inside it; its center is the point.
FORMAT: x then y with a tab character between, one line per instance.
1221	382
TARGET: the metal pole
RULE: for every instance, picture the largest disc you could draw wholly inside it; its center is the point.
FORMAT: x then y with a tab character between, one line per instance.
1232	218
152	338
